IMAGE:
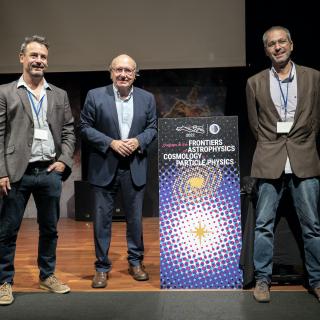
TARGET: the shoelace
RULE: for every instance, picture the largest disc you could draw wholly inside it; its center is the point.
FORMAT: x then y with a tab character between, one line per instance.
5	289
262	285
54	280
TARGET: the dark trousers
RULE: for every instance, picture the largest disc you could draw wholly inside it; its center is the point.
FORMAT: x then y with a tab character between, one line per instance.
46	190
103	208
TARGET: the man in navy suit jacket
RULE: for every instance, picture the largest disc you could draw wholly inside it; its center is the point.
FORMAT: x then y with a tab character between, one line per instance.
118	122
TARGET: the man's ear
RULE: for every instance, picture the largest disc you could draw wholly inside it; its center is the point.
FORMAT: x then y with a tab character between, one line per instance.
21	56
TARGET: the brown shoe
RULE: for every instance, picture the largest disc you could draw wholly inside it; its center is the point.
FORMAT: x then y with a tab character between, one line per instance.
262	291
99	280
316	292
138	273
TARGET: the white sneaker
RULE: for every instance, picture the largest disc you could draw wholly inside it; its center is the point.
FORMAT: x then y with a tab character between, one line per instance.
6	296
53	284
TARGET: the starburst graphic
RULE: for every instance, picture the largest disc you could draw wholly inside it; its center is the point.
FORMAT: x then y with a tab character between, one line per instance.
200	232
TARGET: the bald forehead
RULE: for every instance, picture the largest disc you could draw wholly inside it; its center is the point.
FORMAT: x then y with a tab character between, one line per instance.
123	59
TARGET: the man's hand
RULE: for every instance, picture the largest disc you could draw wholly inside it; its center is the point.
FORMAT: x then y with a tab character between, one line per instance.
123	147
133	144
4	186
57	166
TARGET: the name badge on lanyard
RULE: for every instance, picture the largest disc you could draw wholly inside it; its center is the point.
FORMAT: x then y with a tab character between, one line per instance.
284	126
40	134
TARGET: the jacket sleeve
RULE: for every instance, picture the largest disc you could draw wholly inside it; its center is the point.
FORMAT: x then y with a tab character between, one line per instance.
252	109
67	135
3	121
150	131
88	132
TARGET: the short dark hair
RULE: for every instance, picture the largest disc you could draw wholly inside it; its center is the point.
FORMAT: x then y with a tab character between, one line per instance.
34	38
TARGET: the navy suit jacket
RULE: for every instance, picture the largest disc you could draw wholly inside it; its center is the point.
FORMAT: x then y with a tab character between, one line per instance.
99	126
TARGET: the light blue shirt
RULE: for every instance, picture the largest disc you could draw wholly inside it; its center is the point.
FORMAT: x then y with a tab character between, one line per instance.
41	150
284	99
284	94
124	111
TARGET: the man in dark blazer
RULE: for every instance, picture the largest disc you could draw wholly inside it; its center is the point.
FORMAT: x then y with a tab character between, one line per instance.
36	148
118	122
284	112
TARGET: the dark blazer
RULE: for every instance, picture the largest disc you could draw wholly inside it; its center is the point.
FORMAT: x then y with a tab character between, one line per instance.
299	144
17	129
99	126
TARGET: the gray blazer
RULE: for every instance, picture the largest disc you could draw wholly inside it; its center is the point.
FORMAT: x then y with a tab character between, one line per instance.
17	129
299	144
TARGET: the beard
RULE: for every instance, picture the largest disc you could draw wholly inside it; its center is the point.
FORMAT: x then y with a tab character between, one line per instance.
283	60
37	73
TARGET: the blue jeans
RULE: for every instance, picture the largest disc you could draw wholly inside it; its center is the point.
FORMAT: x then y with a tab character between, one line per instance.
305	195
102	220
46	190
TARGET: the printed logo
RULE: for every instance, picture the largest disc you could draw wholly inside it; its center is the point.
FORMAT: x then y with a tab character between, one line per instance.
191	129
214	128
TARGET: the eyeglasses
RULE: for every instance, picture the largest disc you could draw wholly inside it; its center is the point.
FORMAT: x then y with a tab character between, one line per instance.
280	42
127	71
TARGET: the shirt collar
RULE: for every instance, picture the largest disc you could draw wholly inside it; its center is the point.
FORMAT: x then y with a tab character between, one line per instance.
291	75
22	83
117	94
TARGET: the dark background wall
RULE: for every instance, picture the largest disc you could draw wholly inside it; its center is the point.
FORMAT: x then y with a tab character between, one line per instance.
301	18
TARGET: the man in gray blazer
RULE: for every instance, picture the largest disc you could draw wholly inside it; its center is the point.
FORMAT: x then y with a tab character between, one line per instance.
36	148
284	112
118	122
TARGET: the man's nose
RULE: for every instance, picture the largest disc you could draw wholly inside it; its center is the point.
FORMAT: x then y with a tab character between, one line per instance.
277	46
38	59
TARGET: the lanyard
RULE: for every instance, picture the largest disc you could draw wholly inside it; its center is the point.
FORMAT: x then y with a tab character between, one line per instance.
285	98
34	107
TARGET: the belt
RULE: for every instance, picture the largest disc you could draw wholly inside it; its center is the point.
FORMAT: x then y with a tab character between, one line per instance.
124	164
39	164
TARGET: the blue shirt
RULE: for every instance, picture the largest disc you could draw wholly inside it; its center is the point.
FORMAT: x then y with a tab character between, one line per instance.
284	99
124	111
41	150
284	96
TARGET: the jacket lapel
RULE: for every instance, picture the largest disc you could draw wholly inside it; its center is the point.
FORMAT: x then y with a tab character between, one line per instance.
267	94
22	93
301	87
112	108
136	103
50	103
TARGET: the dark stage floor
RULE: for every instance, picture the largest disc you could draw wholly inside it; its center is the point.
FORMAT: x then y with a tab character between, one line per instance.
164	305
